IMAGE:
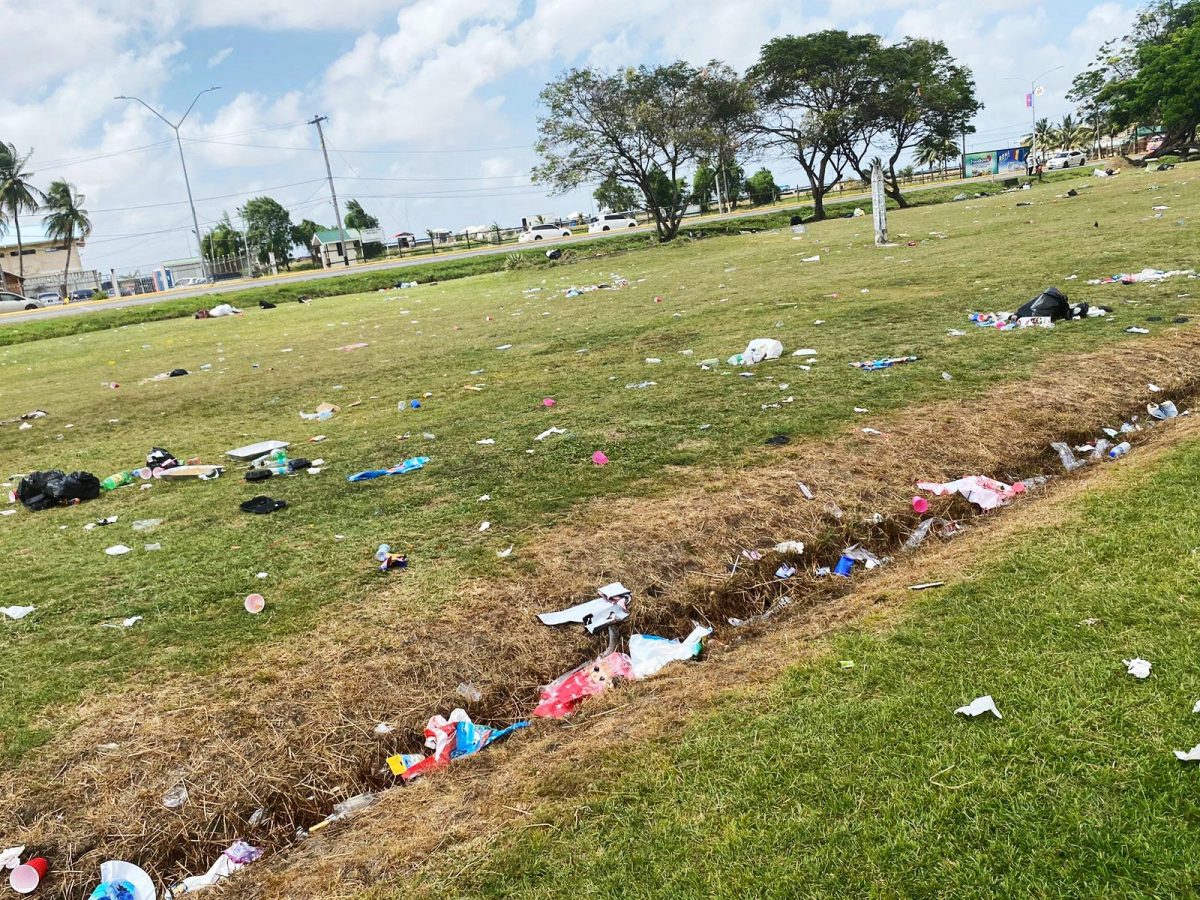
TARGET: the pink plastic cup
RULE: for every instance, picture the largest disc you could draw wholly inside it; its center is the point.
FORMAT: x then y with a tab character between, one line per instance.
255	604
920	505
548	402
599	458
26	878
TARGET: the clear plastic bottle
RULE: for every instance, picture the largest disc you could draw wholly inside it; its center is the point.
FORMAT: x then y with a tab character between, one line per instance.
1120	450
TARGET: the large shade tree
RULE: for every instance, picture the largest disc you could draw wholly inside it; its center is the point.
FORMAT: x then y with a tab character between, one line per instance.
809	91
66	220
269	230
612	196
17	194
642	127
916	92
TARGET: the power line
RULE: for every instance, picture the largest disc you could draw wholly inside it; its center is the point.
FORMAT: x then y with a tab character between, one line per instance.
277	187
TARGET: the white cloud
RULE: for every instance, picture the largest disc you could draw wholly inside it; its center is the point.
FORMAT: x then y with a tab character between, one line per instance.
419	75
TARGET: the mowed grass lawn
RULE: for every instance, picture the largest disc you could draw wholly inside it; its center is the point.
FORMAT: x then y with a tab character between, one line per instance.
270	365
862	782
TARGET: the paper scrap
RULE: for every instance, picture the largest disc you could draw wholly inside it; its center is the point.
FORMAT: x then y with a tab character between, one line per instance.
117	550
17	612
594	614
979	706
1192	755
1137	667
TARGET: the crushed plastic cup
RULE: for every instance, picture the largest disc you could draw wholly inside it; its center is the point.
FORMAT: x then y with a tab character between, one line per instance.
25	879
599	458
255	603
843	567
920	505
548	402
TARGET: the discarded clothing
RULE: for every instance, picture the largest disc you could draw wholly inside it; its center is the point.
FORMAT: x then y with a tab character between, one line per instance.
875	364
562	696
982	491
409	465
263	505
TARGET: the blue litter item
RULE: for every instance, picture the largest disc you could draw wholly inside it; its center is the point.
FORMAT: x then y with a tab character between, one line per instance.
843	567
409	465
471	738
113	890
415	404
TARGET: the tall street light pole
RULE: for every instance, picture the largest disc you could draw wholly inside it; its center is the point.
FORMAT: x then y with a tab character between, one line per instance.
174	126
1033	94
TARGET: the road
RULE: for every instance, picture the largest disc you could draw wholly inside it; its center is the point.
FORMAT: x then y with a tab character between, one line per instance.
73	309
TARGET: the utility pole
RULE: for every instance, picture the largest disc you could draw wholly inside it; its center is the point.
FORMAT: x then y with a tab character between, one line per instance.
317	120
174	126
246	243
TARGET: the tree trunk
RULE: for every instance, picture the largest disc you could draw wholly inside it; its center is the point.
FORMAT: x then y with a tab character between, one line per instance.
818	197
67	267
20	247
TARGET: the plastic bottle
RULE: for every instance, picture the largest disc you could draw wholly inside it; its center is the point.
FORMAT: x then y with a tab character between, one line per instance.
120	479
1120	450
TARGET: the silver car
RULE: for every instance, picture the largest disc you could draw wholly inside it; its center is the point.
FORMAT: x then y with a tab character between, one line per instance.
14	302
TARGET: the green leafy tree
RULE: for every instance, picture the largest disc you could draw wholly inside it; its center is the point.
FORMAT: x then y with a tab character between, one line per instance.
17	194
359	219
223	240
666	194
704	182
626	125
66	219
1151	76
917	91
269	230
303	234
1069	134
612	196
809	91
733	126
761	187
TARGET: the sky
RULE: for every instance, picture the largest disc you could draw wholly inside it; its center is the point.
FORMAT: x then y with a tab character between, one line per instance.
432	104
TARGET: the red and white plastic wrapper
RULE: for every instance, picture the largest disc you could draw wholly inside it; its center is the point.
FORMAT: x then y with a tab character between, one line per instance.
982	491
562	696
454	737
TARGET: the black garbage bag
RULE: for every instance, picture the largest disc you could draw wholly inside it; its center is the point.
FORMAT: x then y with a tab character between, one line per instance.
158	458
265	304
42	490
554	254
1051	302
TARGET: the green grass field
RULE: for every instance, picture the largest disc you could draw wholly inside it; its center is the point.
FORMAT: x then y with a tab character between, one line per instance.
270	365
862	783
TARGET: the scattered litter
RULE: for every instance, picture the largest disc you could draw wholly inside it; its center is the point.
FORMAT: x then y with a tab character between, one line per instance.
324	413
254	604
451	739
238	856
1192	755
468	692
777	440
262	505
1133	329
982	491
409	465
926	585
796	547
118	550
599	458
356	346
808	495
1153	388
1137	667
11	858
872	365
648	654
1162	411
176	797
785	571
123	881
811	259
641	385
846	663
979	706
504	347
548	432
384	728
484	526
757	351
610	607
146	524
872	431
562	696
17	612
1070	463
506	553
946	376
389	560
653	360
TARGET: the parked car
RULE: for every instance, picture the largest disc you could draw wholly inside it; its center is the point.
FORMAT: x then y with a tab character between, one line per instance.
14	302
82	294
1064	159
543	233
48	298
610	222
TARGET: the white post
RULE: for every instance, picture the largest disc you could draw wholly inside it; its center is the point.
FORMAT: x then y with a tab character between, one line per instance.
879	205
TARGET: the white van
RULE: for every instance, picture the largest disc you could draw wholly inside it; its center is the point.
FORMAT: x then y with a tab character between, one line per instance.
611	222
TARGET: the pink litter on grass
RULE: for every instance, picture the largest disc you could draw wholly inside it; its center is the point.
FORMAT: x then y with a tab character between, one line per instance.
599	458
548	402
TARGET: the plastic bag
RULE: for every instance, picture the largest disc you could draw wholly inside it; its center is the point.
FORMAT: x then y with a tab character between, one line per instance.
759	349
562	696
649	653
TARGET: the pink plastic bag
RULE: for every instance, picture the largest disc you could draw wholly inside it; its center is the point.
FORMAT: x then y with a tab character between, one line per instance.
983	492
562	696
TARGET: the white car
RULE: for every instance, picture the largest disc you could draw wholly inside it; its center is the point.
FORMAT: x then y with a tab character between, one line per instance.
10	302
611	222
48	298
543	233
1064	159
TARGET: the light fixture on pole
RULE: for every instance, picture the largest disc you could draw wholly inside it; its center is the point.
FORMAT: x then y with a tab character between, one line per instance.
1035	90
174	126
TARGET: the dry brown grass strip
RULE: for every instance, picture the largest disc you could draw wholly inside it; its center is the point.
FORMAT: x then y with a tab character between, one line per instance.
296	742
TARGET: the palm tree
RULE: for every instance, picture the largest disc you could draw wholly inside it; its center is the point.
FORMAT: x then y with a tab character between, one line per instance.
1043	131
67	218
432	240
932	150
17	195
